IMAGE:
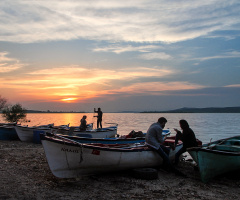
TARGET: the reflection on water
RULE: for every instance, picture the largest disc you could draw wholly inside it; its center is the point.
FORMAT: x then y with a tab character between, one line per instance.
205	125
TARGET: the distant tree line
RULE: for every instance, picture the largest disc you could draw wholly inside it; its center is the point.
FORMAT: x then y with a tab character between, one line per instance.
201	110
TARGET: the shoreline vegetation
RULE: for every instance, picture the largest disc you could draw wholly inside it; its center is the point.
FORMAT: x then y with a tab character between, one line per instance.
180	110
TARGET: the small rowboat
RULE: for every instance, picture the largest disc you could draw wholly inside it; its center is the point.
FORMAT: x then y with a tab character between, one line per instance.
26	133
8	132
70	159
126	139
217	157
108	132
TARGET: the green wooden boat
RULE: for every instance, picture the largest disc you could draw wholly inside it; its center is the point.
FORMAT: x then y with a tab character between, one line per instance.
216	158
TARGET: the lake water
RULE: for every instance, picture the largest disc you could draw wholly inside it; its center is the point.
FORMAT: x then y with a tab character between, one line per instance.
205	125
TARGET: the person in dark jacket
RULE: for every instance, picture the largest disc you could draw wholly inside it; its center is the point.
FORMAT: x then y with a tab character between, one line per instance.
187	136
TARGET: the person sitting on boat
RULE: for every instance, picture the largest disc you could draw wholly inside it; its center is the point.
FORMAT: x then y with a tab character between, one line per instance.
187	136
99	117
154	139
83	123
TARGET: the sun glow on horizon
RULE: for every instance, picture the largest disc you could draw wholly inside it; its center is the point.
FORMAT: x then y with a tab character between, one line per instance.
69	100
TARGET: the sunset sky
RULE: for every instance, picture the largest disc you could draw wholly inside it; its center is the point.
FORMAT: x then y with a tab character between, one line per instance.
134	55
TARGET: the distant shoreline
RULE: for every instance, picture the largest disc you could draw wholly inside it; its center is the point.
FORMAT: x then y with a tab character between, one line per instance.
180	110
200	110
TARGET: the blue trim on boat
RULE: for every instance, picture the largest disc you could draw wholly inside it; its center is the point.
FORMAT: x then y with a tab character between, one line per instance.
74	143
81	139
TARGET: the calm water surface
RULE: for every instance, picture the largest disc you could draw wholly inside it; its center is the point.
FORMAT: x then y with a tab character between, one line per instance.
205	125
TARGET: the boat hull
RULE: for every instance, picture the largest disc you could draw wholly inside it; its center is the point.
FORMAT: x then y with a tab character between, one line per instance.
69	160
8	133
26	134
94	133
217	158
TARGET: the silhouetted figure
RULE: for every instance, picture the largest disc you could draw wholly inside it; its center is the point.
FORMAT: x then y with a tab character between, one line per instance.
99	117
83	123
187	136
154	139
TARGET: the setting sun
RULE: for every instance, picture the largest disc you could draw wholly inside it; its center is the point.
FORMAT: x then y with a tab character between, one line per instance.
69	100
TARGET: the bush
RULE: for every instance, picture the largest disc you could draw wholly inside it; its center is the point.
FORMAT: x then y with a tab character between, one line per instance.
14	113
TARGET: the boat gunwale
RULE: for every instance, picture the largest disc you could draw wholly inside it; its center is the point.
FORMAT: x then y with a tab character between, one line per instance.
104	139
32	127
207	147
91	146
214	151
87	131
90	131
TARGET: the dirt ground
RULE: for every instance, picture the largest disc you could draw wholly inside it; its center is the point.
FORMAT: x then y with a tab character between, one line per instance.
24	174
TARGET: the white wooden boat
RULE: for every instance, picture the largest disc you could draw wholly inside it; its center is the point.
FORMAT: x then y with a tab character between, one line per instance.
70	159
26	133
107	132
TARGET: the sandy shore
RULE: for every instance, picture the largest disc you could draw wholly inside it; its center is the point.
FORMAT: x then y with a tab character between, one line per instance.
25	175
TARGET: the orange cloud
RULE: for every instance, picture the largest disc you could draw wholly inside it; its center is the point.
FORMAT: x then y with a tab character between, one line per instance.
75	84
153	88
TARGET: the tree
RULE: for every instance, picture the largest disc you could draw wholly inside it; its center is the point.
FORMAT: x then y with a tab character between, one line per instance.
14	113
3	102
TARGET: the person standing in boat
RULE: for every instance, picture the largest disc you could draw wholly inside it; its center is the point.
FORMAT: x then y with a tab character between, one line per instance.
99	117
187	136
83	123
154	139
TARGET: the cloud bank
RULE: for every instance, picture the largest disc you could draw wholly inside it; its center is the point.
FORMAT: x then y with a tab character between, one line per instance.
134	20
